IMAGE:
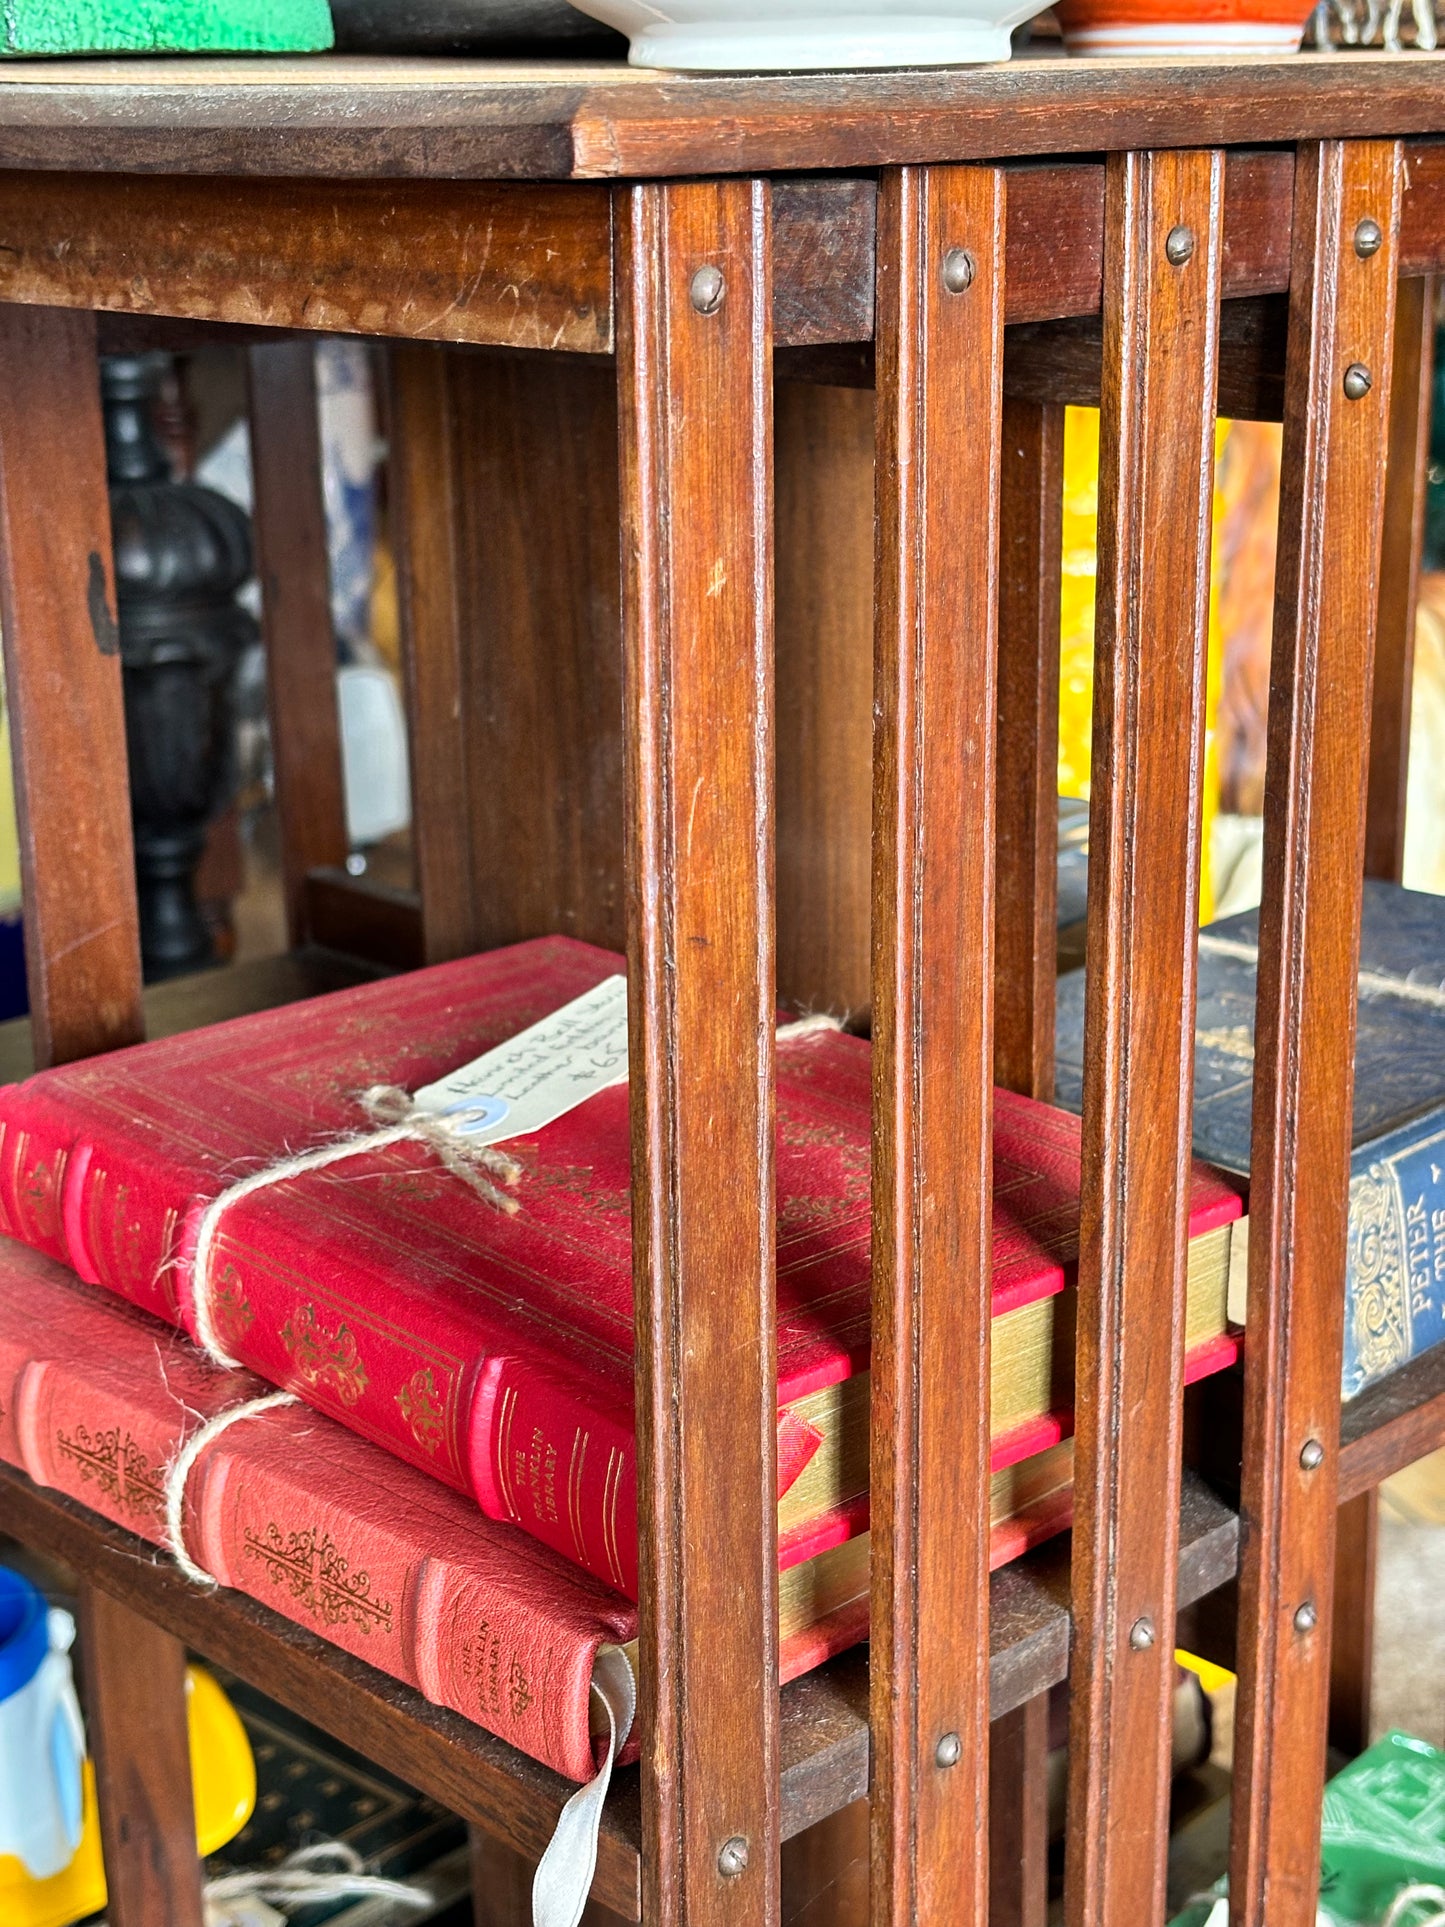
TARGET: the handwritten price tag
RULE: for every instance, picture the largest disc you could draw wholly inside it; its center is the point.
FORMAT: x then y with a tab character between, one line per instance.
539	1075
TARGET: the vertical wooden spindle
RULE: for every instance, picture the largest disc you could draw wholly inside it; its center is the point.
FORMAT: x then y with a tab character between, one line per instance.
135	1680
1404	536
62	672
1336	431
293	568
1162	253
1030	557
1018	1849
425	478
940	366
695	381
62	663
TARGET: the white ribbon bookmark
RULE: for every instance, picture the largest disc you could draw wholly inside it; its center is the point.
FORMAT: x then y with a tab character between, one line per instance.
564	1873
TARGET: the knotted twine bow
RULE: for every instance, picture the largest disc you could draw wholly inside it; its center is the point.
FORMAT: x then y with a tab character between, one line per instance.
401	1120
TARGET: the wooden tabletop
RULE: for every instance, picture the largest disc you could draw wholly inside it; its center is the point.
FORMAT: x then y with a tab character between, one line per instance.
475	119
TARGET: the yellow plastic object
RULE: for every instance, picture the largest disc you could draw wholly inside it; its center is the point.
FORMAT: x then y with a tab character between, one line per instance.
1076	626
1211	1677
223	1782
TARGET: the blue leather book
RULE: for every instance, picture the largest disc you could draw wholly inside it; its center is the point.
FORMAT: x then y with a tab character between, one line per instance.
1396	1277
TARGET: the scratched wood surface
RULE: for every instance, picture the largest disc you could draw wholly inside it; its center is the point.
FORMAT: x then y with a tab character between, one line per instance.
940	290
512	120
695	345
1342	308
62	675
529	269
1156	479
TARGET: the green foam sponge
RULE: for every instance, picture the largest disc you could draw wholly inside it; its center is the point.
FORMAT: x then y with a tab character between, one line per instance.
33	27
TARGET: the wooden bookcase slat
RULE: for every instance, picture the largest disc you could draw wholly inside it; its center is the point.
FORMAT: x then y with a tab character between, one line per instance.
1337	408
695	348
940	393
1163	246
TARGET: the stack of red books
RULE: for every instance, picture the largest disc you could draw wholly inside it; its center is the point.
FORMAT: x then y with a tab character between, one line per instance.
455	1499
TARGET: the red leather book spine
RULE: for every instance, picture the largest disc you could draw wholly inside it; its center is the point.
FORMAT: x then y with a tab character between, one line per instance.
479	1621
35	1147
566	1473
304	1518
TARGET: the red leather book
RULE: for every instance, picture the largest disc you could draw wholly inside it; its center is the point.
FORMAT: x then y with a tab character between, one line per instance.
494	1352
97	1399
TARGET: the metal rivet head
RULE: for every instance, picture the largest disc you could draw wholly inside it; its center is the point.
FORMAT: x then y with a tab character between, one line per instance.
1358	381
707	292
959	268
1141	1635
1368	238
1179	245
1306	1617
733	1857
1312	1455
949	1750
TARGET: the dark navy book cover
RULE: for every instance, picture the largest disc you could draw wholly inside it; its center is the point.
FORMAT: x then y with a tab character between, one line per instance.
1396	1278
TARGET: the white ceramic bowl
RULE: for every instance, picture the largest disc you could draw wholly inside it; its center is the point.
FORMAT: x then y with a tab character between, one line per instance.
784	35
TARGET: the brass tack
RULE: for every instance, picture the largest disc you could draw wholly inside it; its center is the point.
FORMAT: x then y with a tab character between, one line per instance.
949	1750
1179	245
959	268
1368	238
708	288
1307	1617
1312	1455
1358	381
1141	1635
733	1857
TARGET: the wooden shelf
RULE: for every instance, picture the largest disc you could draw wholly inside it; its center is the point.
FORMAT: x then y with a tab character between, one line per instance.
210	997
1393	1424
825	1716
825	1741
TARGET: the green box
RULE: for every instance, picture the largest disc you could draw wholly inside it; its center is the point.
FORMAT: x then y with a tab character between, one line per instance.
32	27
1384	1829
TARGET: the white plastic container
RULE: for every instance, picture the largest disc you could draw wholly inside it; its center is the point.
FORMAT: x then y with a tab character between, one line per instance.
42	1739
793	35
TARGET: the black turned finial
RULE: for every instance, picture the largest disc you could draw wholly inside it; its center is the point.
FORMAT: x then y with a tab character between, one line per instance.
181	553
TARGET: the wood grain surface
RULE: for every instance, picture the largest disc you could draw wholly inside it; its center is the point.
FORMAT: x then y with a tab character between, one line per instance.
541	609
1327	586
293	568
1407	463
695	387
527	268
1156	482
135	1698
1018	1831
940	366
825	695
511	120
62	675
426	482
1031	520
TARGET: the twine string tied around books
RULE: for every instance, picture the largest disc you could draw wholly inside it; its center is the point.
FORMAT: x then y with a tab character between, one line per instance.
179	1470
399	1120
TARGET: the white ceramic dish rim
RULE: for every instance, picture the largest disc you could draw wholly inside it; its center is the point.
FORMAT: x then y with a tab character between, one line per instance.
811	35
1169	37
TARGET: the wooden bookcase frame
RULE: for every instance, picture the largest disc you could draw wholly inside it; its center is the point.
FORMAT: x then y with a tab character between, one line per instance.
1253	238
